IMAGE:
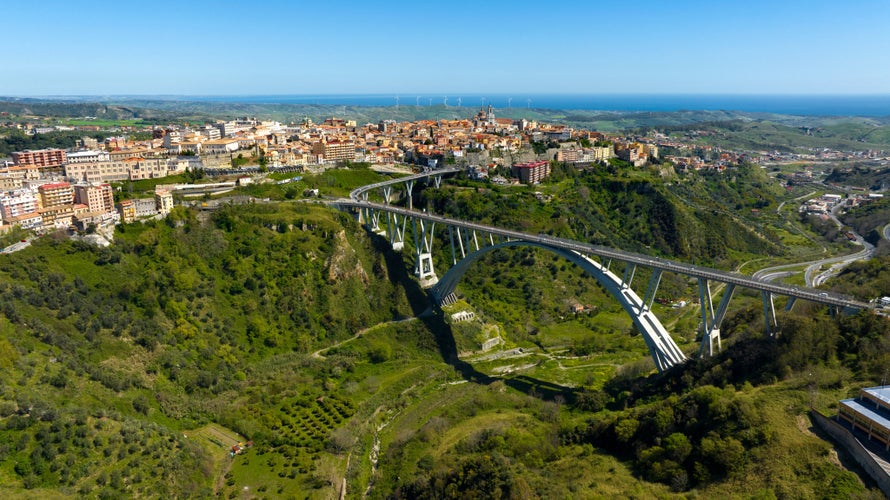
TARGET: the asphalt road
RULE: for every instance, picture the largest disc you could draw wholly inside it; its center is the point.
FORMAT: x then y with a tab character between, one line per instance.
752	282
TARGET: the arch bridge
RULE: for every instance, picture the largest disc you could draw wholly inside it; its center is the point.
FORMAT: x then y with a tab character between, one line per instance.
469	242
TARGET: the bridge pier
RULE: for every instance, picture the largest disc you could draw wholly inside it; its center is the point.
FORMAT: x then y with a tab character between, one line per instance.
769	313
629	270
409	188
654	281
712	318
423	245
395	232
374	222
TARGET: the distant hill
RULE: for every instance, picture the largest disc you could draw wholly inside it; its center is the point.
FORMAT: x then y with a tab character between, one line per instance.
791	133
726	129
42	108
861	176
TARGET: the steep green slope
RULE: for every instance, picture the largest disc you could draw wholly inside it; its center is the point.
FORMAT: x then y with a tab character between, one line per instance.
696	217
288	326
110	353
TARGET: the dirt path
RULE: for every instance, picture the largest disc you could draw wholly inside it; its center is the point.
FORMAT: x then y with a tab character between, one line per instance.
317	354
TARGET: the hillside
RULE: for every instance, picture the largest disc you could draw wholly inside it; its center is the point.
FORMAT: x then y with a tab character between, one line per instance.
860	175
75	108
165	331
781	134
703	218
288	331
731	129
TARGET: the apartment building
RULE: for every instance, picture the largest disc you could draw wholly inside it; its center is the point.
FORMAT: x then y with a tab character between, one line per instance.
100	171
220	146
89	156
531	172
56	194
17	203
120	170
60	216
26	221
163	201
127	211
334	151
42	158
97	198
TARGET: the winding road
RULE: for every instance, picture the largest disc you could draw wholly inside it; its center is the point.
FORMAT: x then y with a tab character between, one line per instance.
813	274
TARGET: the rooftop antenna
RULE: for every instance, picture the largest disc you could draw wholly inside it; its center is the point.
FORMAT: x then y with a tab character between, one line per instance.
509	101
397	102
445	101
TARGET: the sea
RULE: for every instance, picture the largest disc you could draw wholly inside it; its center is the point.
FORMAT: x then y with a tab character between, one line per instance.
808	105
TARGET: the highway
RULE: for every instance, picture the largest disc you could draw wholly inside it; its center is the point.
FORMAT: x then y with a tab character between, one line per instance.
357	192
837	263
755	283
640	259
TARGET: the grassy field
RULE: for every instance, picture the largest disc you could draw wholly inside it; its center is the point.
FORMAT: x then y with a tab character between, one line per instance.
74	122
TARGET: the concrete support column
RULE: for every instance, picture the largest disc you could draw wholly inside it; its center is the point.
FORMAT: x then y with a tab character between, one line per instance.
769	313
409	190
423	243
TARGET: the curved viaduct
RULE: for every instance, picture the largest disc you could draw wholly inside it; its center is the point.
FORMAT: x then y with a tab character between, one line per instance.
470	241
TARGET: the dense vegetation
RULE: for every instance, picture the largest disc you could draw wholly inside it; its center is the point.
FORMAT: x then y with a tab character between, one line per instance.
16	140
695	218
132	370
869	221
167	324
860	175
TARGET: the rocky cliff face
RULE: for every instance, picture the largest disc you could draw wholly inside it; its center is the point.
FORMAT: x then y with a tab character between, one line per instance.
343	262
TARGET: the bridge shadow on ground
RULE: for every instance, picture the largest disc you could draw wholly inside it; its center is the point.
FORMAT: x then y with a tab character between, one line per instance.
444	336
423	308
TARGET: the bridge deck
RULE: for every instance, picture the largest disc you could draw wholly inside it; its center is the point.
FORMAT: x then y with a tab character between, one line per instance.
806	293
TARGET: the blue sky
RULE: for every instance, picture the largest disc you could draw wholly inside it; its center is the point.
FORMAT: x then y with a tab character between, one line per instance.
399	47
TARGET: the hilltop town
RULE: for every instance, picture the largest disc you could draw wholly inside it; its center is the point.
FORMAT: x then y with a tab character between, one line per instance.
79	187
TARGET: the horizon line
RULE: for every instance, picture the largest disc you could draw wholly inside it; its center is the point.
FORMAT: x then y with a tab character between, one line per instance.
459	94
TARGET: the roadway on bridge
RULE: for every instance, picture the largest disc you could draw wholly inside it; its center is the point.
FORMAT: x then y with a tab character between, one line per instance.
606	253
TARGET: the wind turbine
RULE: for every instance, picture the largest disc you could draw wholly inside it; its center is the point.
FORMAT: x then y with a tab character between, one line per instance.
458	102
509	101
430	102
528	103
445	101
397	102
417	101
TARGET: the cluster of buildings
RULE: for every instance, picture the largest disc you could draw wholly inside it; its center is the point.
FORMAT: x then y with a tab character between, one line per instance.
47	204
53	188
868	414
823	204
429	143
827	202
